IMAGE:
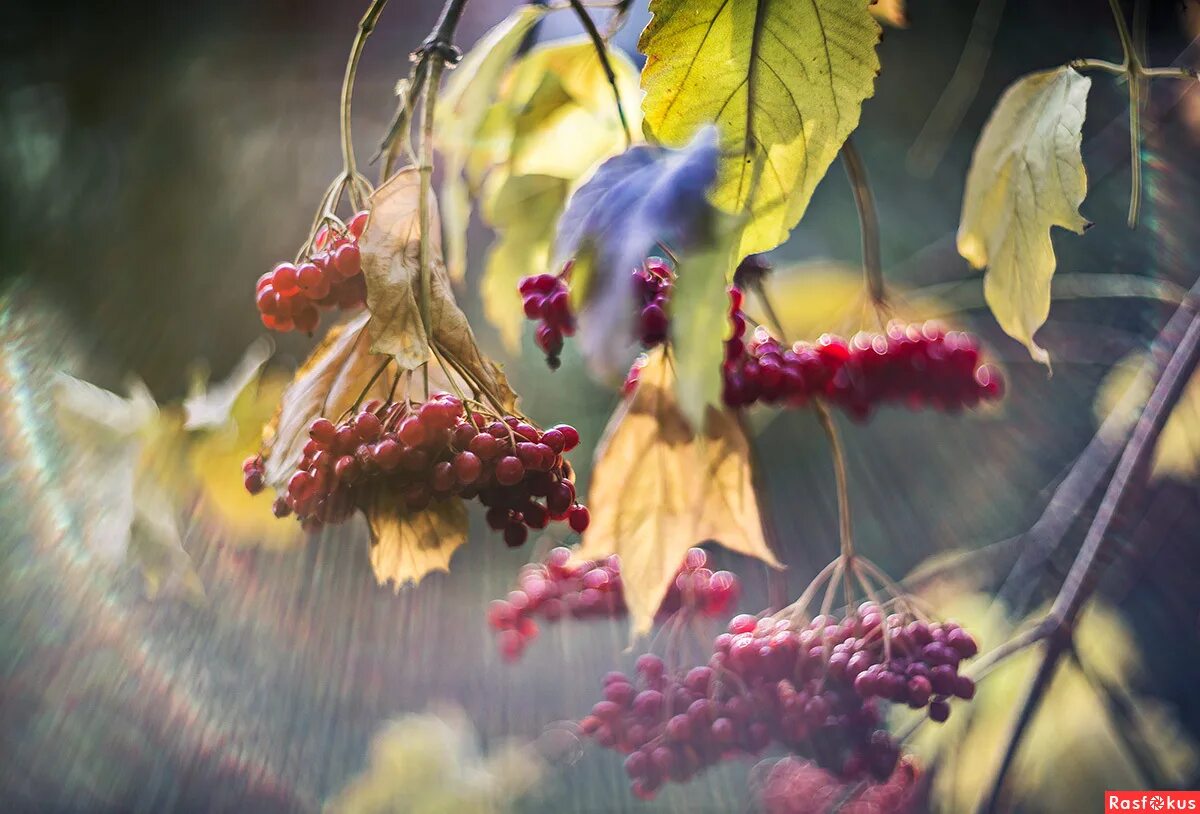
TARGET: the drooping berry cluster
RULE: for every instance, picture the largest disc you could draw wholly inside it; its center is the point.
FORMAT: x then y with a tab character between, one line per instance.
547	299
289	297
771	682
796	786
917	365
557	587
418	453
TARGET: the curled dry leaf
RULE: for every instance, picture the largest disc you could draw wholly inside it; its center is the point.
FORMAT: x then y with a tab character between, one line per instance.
405	546
1026	177
659	488
327	384
391	264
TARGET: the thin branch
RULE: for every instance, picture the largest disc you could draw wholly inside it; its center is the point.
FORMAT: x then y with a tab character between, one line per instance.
1133	69
365	26
845	534
1082	578
1127	726
425	193
601	47
868	221
1098	65
930	145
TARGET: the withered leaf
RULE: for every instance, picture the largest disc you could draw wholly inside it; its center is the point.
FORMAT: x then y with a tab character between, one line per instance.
391	263
405	546
659	488
327	384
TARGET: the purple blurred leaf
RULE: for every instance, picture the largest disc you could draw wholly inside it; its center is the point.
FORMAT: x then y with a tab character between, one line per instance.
635	201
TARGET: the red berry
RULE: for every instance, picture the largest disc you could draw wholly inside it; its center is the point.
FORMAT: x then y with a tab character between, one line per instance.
467	467
509	470
578	517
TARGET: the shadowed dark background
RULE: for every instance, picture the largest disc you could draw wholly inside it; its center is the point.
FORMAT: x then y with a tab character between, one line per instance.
155	158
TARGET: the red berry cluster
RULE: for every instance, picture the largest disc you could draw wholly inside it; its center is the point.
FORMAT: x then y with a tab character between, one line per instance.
547	299
796	786
770	682
433	451
917	365
289	296
557	587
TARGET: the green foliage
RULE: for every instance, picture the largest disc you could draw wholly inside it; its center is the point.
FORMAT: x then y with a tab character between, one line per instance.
784	82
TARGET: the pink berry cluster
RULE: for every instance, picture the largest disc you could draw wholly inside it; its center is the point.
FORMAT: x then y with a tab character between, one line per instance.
793	785
814	690
547	299
917	365
289	296
558	587
421	452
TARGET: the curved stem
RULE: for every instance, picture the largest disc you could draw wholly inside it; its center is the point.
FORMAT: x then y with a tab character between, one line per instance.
365	26
425	193
839	470
1133	69
868	221
589	25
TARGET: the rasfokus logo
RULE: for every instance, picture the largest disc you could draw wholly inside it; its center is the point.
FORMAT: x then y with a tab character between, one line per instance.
1151	801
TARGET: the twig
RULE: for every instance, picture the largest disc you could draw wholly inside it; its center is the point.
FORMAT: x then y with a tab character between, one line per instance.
1133	69
589	25
425	193
845	534
930	145
1081	579
868	221
365	26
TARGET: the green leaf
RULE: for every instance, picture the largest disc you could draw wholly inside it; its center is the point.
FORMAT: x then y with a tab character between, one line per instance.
1026	177
524	212
461	112
699	310
784	82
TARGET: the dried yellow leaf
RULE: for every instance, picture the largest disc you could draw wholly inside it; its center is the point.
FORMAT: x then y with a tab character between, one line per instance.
391	263
405	546
659	488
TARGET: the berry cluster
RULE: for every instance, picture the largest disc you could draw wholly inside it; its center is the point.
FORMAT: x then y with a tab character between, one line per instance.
917	365
814	690
796	786
289	296
547	299
433	451
557	587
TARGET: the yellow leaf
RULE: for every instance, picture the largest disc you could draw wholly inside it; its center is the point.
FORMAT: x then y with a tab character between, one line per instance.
890	12
327	384
391	263
405	546
207	407
1026	177
524	212
215	458
658	489
461	114
1126	389
431	763
784	82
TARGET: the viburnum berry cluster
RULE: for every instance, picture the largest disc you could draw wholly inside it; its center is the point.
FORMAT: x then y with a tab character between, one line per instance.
559	587
422	452
289	296
814	689
547	299
916	364
796	786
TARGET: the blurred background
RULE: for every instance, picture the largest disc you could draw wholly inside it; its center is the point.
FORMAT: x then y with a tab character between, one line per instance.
156	158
